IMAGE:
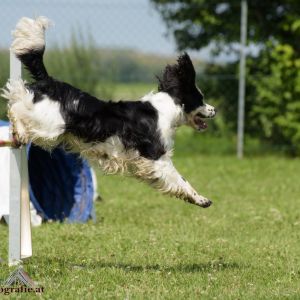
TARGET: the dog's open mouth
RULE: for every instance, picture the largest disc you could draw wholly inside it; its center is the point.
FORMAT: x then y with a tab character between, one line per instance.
200	123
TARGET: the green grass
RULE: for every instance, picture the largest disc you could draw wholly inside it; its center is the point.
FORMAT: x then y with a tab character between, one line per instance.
148	246
132	91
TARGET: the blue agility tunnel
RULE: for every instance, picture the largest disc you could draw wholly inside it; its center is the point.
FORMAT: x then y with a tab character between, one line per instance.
61	185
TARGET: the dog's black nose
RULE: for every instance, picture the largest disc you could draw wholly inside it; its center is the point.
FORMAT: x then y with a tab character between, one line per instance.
215	110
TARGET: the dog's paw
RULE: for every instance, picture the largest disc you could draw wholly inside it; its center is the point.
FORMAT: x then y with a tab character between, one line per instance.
203	202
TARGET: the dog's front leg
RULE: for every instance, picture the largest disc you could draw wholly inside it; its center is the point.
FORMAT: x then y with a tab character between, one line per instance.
162	175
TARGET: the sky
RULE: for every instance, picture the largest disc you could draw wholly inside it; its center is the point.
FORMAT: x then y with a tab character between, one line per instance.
112	23
133	24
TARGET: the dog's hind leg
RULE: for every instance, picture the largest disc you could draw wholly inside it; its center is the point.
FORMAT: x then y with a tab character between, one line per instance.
39	122
162	175
19	100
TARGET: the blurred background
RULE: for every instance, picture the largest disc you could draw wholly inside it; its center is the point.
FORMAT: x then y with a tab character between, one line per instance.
114	49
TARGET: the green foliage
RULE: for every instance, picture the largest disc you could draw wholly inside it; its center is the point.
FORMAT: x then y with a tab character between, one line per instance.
129	66
276	109
197	23
221	91
272	93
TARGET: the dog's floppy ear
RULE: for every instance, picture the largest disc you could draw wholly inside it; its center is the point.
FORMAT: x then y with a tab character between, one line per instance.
177	75
170	79
185	68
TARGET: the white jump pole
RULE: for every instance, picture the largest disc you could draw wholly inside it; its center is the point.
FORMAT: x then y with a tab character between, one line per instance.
19	211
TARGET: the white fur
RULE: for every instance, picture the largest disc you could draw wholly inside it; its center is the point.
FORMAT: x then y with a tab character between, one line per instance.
173	183
112	147
29	35
47	121
170	116
41	120
43	124
112	158
110	155
206	110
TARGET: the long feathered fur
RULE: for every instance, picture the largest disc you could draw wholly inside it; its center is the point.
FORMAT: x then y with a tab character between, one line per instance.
126	136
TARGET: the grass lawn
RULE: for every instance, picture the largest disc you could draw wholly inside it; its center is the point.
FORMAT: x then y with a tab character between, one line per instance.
132	91
148	246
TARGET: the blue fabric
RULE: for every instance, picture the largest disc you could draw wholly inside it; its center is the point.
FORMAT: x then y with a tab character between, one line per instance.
61	185
4	123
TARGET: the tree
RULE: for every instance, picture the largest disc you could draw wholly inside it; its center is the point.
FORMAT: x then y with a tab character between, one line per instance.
198	23
276	110
273	76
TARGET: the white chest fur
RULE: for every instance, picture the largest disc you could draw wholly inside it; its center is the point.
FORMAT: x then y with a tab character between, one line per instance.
170	116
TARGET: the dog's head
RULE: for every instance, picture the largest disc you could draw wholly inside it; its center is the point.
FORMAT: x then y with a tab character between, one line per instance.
179	81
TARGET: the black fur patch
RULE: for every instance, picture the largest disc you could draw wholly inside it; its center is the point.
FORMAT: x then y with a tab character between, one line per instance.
93	120
134	122
33	61
178	81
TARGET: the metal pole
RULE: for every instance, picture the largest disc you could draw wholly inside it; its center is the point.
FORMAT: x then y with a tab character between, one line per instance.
241	106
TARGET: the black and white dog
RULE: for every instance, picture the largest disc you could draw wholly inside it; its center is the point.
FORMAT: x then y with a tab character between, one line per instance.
135	137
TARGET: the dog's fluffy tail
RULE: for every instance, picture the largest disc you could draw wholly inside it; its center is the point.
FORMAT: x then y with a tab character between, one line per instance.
29	45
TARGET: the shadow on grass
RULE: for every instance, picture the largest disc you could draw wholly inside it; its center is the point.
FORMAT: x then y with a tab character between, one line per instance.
181	268
218	265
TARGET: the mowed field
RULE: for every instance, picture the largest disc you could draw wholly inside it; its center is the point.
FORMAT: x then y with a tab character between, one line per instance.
148	246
